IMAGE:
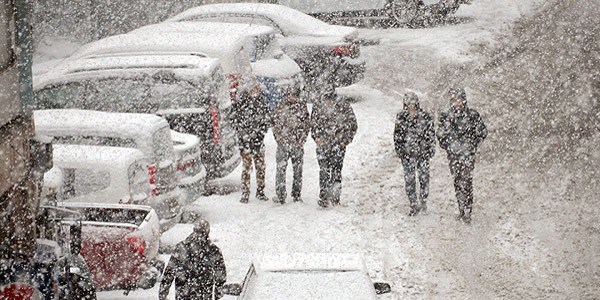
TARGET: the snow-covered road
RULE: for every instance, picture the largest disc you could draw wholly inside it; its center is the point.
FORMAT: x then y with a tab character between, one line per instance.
506	253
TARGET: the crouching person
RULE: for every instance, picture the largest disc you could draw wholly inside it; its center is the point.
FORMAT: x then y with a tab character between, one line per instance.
414	140
197	266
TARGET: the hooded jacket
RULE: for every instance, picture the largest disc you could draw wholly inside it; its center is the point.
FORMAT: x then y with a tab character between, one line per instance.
291	123
333	125
198	268
461	131
250	120
414	137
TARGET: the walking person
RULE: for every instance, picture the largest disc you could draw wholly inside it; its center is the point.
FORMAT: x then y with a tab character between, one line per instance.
196	266
414	141
461	131
333	126
291	125
250	119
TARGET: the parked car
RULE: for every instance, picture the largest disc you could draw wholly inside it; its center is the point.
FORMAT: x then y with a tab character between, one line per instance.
187	90
119	243
270	65
117	175
191	174
119	240
307	276
400	12
327	54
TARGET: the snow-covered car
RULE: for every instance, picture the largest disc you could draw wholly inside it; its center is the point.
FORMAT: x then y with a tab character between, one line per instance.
326	53
308	276
187	90
119	243
401	12
190	170
270	65
149	134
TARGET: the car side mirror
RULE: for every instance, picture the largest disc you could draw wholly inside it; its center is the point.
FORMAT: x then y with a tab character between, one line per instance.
382	288
232	289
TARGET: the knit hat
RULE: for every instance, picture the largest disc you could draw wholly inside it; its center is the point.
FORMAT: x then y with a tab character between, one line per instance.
410	98
457	92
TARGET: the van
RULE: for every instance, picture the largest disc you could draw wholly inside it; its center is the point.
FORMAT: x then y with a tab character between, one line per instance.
274	69
147	133
189	91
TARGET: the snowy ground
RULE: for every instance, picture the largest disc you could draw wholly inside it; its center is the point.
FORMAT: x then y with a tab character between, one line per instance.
502	255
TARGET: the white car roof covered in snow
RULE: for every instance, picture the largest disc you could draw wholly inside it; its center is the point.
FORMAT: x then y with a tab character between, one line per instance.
70	122
111	159
215	27
215	45
289	20
309	262
188	67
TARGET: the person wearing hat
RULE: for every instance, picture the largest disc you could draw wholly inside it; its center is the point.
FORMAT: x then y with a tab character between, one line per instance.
414	141
251	122
333	127
461	131
291	125
196	266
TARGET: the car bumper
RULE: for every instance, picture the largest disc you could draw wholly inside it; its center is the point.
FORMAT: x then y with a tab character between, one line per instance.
168	208
350	71
193	186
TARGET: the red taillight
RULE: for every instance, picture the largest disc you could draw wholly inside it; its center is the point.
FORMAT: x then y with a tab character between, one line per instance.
17	291
152	173
214	114
137	244
233	86
186	165
345	50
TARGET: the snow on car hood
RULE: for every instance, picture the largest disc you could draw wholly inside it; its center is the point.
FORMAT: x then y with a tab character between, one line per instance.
284	67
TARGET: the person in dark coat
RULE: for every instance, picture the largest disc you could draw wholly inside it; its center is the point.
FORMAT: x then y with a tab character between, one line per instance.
291	125
333	126
196	266
461	131
250	119
414	140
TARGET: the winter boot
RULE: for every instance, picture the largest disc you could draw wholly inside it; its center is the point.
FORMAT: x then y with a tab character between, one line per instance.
297	199
461	214
423	207
279	199
323	202
245	198
261	196
414	210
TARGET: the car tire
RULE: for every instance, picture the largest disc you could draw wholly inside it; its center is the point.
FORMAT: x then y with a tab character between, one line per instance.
404	13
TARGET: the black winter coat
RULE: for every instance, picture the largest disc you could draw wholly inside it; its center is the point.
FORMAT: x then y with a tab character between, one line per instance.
414	137
198	268
333	126
291	123
461	132
250	120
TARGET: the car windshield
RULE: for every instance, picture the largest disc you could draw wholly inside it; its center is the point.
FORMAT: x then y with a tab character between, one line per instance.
311	285
265	47
80	182
145	95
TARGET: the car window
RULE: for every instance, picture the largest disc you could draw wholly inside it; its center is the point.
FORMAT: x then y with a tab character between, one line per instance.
81	182
97	141
117	94
267	47
68	95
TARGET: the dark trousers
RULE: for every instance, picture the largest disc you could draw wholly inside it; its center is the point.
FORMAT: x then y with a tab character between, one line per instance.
461	169
331	162
259	166
296	155
413	165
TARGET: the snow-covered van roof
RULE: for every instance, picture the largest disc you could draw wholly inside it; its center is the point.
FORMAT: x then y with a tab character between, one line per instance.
112	159
291	21
309	262
59	122
191	68
215	45
207	27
